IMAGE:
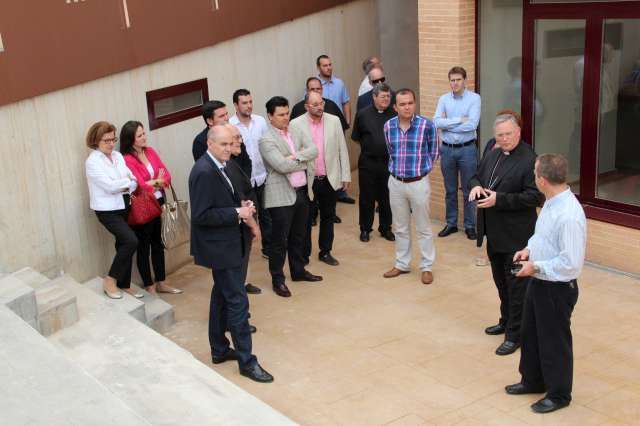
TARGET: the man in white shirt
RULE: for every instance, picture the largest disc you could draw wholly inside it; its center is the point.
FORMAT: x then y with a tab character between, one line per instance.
554	257
252	128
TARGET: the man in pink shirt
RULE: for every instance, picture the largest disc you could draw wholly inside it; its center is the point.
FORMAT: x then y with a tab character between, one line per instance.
331	169
289	160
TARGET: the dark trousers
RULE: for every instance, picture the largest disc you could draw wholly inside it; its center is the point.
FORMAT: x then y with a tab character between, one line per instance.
373	180
546	357
126	244
325	199
264	220
150	241
288	233
511	291
229	310
244	269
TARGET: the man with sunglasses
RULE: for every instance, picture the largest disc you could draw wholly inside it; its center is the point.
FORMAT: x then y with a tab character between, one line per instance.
376	76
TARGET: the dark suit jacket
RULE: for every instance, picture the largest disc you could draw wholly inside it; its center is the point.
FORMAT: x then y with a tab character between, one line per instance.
511	222
242	183
200	147
216	234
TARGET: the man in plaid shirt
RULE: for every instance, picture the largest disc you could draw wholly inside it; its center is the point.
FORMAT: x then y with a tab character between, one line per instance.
413	149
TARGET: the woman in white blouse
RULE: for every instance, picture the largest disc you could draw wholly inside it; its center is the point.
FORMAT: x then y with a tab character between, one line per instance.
110	185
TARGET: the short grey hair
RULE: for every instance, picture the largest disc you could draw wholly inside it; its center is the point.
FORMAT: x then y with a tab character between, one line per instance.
553	167
381	87
368	63
503	118
214	131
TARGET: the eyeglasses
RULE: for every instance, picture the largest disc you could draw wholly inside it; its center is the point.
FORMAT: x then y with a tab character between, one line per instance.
110	140
380	80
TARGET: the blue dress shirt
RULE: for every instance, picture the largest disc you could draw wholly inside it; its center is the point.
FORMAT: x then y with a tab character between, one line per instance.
558	245
453	130
335	90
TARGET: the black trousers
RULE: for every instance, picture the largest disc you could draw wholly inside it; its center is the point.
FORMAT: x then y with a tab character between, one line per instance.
244	269
229	310
373	180
288	233
546	357
126	244
325	199
264	220
150	241
511	291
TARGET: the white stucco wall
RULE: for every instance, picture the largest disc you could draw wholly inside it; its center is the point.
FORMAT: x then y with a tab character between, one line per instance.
45	221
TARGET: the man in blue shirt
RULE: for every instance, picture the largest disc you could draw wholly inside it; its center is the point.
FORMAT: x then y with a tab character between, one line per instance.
457	117
554	257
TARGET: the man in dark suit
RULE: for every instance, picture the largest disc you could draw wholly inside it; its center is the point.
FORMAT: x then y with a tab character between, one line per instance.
217	243
505	188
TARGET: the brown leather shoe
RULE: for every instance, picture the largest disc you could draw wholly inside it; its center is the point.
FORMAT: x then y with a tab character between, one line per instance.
427	277
394	272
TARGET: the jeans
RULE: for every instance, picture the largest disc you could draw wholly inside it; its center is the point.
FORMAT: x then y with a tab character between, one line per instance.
462	161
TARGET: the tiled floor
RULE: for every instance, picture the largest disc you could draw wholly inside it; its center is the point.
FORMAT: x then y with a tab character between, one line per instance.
361	349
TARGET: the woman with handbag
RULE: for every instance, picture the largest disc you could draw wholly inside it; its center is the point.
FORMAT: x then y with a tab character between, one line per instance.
145	218
110	185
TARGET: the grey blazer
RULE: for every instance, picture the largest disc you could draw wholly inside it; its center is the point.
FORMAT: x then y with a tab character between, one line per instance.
336	155
278	191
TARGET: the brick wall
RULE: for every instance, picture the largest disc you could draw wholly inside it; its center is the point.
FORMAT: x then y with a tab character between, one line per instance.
446	31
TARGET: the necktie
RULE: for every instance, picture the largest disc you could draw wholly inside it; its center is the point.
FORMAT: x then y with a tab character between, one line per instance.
226	176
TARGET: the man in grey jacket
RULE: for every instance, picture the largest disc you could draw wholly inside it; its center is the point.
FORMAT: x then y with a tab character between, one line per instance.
289	160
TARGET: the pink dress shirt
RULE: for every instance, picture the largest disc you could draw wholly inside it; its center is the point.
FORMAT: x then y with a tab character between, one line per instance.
299	178
317	135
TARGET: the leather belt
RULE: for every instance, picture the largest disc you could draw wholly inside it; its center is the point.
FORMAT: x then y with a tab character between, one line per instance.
323	177
408	179
458	145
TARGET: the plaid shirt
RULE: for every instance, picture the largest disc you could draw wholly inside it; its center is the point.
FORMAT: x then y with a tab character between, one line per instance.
411	153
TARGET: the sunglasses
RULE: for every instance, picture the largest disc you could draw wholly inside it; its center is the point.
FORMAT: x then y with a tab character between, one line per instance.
380	80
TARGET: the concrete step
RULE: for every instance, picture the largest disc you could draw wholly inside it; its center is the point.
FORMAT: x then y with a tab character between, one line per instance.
41	387
19	298
160	314
127	304
57	308
163	383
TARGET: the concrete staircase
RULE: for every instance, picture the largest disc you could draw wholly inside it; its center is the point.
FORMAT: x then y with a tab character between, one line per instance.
107	366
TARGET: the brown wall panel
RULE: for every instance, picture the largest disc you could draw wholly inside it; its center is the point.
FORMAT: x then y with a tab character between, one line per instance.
52	44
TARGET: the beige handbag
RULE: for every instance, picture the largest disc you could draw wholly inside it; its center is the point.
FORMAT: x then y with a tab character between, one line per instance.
176	225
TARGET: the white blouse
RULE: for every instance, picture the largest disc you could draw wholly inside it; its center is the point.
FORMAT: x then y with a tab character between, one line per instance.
107	179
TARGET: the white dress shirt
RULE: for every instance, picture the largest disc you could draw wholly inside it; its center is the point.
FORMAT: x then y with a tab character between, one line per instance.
251	136
365	86
558	245
107	179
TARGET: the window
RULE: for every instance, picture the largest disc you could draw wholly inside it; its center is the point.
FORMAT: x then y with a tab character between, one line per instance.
177	103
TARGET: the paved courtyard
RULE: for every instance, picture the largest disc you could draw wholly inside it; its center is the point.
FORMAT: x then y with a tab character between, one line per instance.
358	349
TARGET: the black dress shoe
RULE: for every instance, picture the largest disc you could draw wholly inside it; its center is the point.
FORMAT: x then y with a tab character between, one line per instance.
336	219
471	233
328	259
252	328
347	200
507	347
257	373
364	236
522	389
388	235
252	289
546	405
281	290
494	330
230	355
307	276
447	230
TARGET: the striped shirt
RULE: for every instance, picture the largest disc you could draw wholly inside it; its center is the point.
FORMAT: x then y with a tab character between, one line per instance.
557	247
411	153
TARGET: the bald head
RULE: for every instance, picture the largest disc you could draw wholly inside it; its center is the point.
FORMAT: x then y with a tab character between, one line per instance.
314	104
219	140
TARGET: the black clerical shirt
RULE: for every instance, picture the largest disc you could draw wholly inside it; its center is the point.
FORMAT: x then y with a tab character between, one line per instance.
368	130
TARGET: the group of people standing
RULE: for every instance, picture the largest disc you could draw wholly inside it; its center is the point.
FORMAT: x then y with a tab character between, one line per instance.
255	180
114	179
